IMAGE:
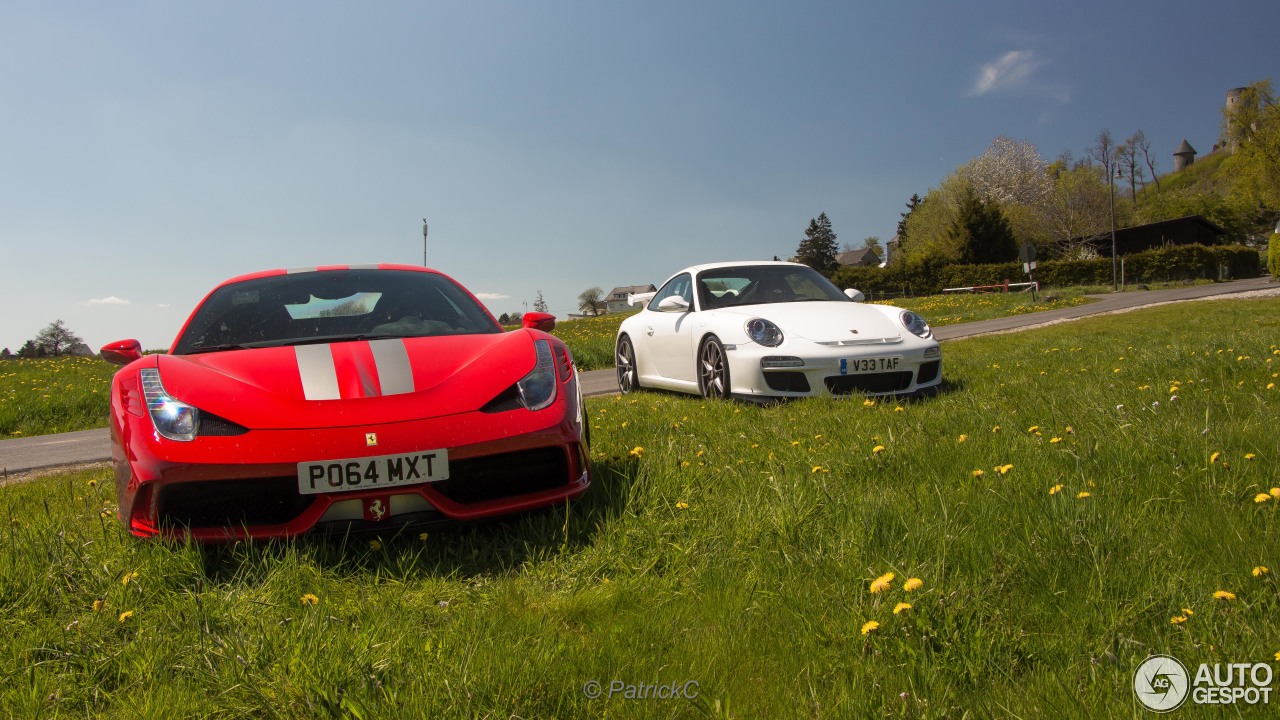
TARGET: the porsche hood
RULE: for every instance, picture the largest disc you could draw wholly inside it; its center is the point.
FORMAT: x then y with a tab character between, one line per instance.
826	322
351	382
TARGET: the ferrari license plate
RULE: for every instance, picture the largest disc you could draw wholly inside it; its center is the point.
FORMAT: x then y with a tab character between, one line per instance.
384	471
868	364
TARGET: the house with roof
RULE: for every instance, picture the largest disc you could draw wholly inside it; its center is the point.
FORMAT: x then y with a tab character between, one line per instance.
616	301
862	257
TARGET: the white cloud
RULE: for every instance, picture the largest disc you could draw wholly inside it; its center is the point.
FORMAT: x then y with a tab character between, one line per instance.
492	296
1011	71
162	306
108	300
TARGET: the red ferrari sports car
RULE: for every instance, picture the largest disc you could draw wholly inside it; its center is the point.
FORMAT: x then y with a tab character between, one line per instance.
343	398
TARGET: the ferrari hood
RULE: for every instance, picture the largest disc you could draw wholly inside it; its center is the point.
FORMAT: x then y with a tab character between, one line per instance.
352	382
827	321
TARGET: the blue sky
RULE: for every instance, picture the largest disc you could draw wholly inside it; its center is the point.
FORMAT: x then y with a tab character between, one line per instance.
152	150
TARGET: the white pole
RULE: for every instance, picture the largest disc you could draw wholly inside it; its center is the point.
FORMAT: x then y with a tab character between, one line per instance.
424	242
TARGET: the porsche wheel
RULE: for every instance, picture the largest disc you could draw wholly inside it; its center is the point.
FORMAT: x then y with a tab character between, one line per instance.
625	360
713	369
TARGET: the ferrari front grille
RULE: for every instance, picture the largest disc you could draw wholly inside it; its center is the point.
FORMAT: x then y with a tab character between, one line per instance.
869	382
507	475
231	503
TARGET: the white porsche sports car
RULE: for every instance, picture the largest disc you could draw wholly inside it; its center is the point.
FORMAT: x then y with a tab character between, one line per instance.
763	330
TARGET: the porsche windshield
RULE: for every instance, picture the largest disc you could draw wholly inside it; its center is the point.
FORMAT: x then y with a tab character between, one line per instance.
761	284
331	306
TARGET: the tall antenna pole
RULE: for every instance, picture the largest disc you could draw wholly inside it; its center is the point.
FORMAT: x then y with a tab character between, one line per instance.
424	242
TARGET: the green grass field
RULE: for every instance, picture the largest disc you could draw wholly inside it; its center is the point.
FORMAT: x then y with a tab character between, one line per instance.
1071	503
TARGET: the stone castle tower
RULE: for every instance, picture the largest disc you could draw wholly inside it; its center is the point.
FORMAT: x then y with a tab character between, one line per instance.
1185	155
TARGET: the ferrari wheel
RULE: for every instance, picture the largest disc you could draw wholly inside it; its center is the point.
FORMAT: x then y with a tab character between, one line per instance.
713	370
625	359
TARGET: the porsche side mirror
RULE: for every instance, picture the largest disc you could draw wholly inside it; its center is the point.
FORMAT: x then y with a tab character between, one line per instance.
546	322
122	352
673	303
855	295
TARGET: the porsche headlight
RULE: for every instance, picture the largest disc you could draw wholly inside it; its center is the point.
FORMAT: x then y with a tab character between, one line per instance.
764	332
538	388
173	418
915	323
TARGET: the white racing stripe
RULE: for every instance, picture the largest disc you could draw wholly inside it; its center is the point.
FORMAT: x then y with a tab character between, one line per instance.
319	376
391	358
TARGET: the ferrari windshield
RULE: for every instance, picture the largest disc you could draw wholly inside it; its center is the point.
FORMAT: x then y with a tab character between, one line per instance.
331	306
761	284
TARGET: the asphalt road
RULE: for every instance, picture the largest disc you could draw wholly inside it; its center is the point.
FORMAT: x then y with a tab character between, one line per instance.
25	455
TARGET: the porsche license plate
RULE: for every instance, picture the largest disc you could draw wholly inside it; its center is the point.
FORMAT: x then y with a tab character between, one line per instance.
329	476
868	364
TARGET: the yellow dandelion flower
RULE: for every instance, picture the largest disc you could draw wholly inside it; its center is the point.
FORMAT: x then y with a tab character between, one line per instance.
816	469
901	607
1187	612
636	451
1260	570
882	583
125	616
128	578
1004	469
869	403
1278	655
1275	492
899	409
1261	497
1055	489
423	536
1054	441
1178	619
1082	495
99	604
1224	595
869	626
93	483
1033	428
685	463
1249	456
995	429
1068	430
682	505
962	438
978	473
1214	457
310	599
626	423
877	449
375	544
795	443
912	584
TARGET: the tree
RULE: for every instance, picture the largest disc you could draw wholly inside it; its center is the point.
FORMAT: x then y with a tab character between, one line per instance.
539	305
504	319
818	249
590	302
1128	167
873	243
912	204
1010	172
5	354
1078	212
29	349
1251	127
1140	141
1104	149
981	231
56	338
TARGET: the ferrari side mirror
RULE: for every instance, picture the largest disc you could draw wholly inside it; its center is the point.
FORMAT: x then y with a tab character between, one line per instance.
122	352
546	322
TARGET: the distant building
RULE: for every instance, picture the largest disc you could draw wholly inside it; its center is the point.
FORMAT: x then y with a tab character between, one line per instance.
1184	156
617	299
1189	230
863	257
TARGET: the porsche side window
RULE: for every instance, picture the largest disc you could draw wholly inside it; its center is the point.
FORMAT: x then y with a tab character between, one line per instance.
678	286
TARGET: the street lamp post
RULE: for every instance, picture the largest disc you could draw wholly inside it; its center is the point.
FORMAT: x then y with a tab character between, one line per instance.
1113	167
424	242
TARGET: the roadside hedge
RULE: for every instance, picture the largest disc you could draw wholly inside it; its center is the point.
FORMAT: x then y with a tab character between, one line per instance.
1169	264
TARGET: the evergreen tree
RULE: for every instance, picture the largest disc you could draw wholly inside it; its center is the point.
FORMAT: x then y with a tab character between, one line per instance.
982	232
539	305
818	249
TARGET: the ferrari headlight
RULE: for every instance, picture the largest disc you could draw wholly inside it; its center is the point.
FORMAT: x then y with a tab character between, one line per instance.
538	388
915	323
764	332
173	418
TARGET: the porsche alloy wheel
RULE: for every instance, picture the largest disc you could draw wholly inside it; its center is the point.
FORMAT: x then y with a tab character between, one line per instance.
625	359
713	370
